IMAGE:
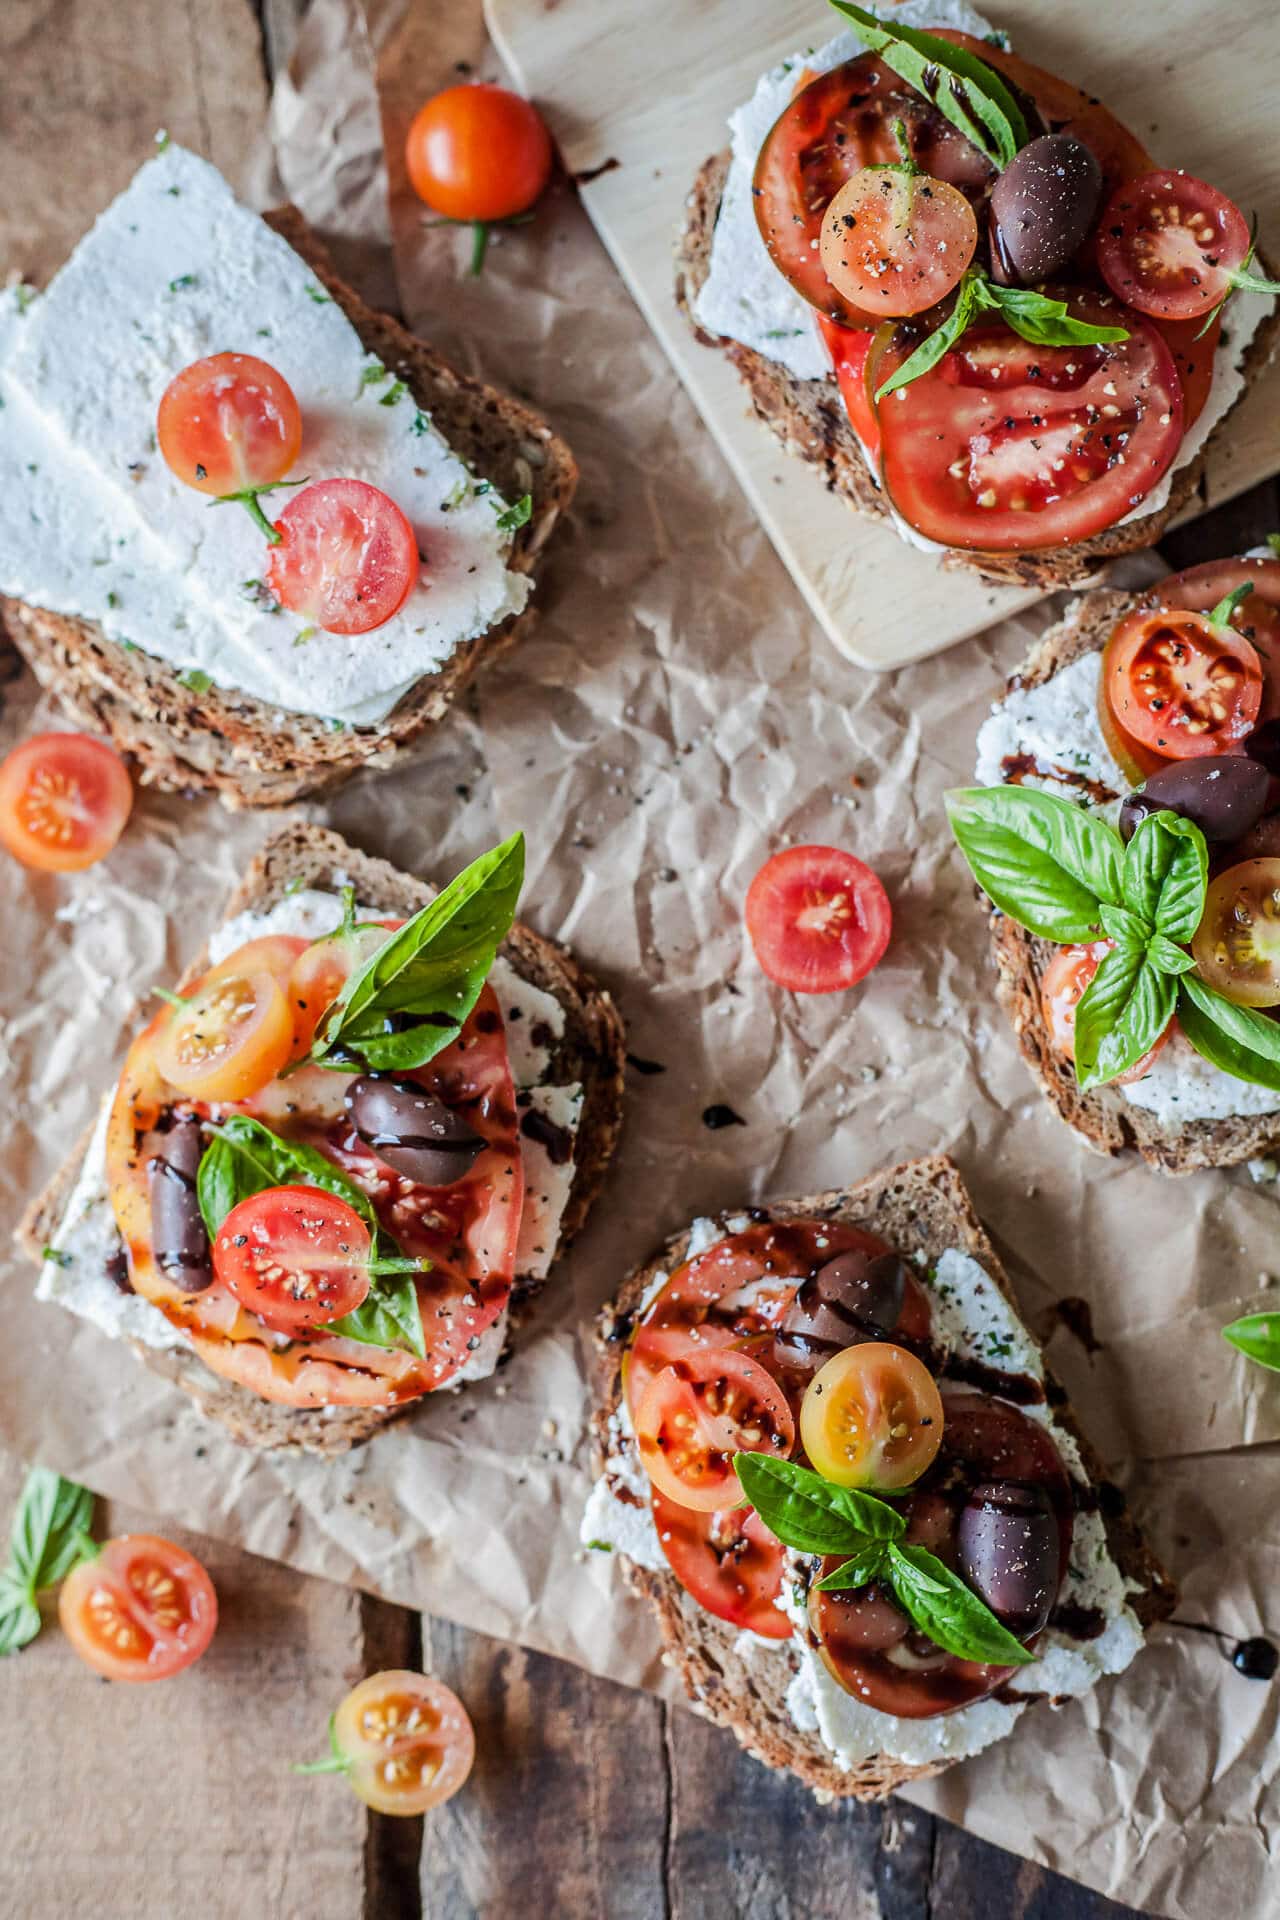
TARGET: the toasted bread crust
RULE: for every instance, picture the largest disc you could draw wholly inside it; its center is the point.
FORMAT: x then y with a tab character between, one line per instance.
920	1207
809	418
592	1051
243	749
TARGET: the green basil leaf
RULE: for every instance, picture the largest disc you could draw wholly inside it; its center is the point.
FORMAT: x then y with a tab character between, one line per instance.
1257	1337
1240	1040
964	89
1122	1013
1045	322
863	1568
52	1516
388	1316
19	1619
1166	874
1123	925
1043	861
410	998
952	1615
935	344
812	1514
1169	959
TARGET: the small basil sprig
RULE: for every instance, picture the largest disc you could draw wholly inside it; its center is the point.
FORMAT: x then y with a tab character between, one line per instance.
50	1536
1039	319
410	998
245	1158
1257	1337
964	89
1241	281
812	1515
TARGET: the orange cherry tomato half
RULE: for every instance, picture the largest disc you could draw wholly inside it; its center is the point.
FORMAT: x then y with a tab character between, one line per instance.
1237	944
64	801
818	918
228	423
143	1609
228	1040
478	153
896	243
406	1742
1062	988
296	1256
1179	686
322	970
872	1417
1169	245
729	1562
347	559
701	1410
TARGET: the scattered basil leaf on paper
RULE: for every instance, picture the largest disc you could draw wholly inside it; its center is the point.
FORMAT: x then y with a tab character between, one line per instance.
411	997
964	89
50	1534
244	1158
1257	1337
1044	862
1240	1040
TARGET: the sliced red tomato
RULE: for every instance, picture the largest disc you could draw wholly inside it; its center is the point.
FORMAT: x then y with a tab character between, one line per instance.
849	348
1062	988
701	1410
1179	686
478	153
229	424
406	1740
228	1039
1004	446
872	1417
322	970
895	241
729	1562
141	1609
818	918
295	1257
1065	108
1169	245
347	558
1193	347
64	801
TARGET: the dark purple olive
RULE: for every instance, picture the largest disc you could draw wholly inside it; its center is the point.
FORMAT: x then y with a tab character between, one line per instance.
1042	208
855	1297
178	1237
413	1131
1224	794
1008	1548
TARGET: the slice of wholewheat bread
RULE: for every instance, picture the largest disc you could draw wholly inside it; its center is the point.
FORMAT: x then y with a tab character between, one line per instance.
1105	1120
591	1051
921	1207
809	418
248	752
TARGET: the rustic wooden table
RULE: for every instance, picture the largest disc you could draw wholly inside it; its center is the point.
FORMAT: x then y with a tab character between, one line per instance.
587	1799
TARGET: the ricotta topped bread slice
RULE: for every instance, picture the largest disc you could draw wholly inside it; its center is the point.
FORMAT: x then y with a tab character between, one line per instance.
777	1695
141	606
566	1049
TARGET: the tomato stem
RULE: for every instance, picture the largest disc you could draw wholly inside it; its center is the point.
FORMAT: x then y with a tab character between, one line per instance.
332	1765
479	245
174	999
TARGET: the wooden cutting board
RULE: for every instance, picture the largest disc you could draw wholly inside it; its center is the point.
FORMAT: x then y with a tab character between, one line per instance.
650	83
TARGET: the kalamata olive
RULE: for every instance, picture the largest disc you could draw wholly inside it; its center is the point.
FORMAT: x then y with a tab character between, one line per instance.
413	1131
1224	794
1007	1548
855	1296
1042	208
178	1237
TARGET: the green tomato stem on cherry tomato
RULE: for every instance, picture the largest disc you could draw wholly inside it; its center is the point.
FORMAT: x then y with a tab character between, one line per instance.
402	1741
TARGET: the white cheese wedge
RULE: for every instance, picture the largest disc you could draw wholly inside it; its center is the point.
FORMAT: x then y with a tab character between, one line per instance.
93	523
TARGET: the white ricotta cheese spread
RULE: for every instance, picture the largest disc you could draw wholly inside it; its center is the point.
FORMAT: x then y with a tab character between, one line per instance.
92	522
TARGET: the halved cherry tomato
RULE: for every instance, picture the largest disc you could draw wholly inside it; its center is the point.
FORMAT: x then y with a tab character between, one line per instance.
347	558
1062	988
1169	245
478	153
1237	944
64	801
872	1417
295	1256
322	970
849	347
729	1562
406	1740
141	1609
1257	616
1179	686
896	242
701	1410
818	918
1004	446
230	1038
229	423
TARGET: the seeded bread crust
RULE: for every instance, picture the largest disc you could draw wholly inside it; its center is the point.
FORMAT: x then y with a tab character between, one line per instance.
1105	1120
592	1051
250	753
809	418
923	1207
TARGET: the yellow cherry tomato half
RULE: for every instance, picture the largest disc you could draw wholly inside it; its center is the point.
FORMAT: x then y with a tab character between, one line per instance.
406	1742
229	1039
872	1417
1237	944
894	242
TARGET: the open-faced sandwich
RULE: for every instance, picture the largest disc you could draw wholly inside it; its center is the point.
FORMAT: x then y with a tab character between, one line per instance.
1127	834
358	1135
961	289
250	529
832	1460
